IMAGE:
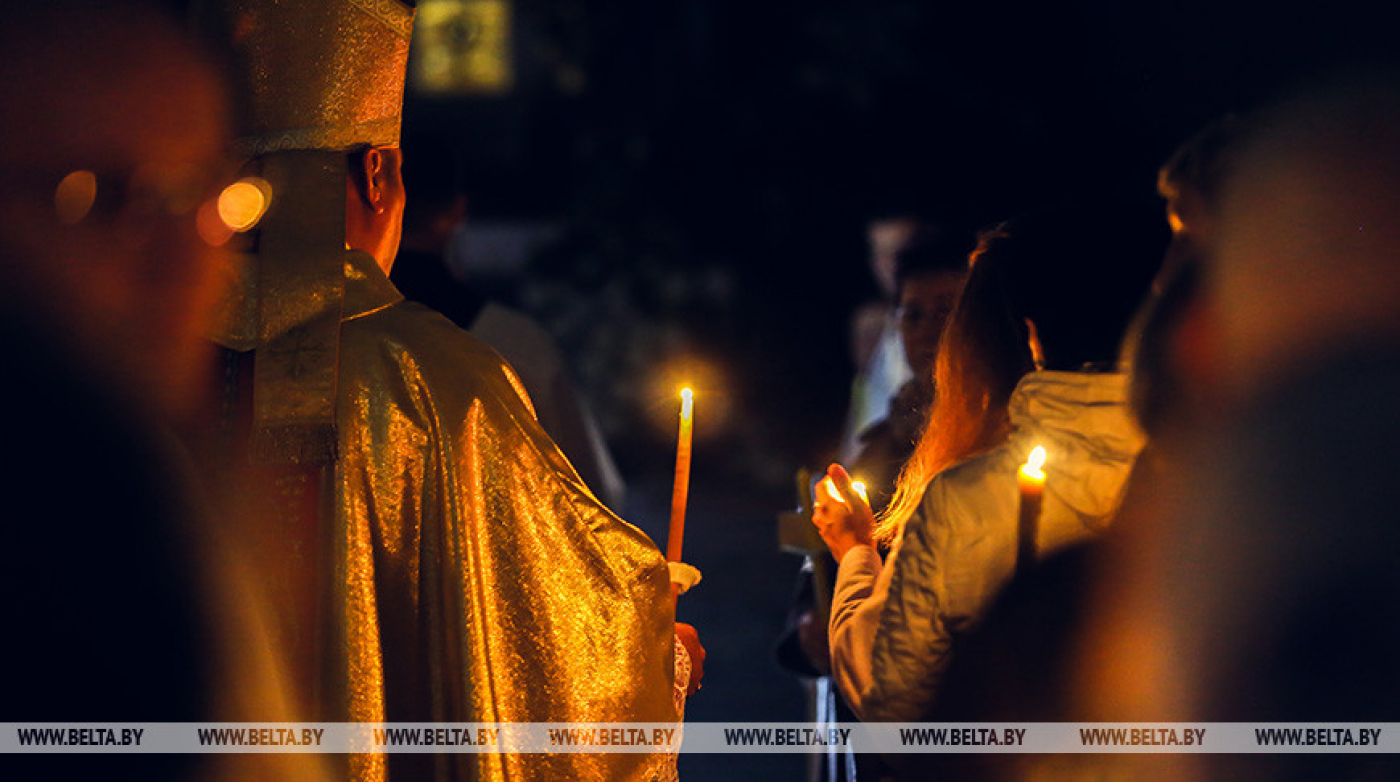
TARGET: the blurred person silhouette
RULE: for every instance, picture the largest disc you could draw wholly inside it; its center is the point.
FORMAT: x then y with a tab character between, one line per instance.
875	347
1255	583
432	172
438	557
1119	663
1028	358
120	605
929	272
1249	580
1280	559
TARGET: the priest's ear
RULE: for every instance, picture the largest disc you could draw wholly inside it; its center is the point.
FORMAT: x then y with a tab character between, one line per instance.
377	173
374	201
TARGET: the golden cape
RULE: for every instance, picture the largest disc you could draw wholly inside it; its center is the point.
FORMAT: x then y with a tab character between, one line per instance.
479	579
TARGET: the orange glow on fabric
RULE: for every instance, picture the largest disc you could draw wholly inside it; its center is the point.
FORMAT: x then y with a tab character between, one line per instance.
1030	479
681	488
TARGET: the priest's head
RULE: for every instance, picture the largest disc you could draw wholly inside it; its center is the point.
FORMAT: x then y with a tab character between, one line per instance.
324	76
112	146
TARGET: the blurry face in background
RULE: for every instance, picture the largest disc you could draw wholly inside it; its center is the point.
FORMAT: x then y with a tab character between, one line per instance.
887	238
104	170
925	301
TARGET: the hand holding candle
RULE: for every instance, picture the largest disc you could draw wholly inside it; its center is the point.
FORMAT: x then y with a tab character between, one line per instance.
842	513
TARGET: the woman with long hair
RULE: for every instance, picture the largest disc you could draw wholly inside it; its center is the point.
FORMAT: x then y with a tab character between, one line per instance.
1028	358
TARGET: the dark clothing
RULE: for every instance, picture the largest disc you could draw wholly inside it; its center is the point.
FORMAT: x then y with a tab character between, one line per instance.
1281	586
424	277
1286	559
101	607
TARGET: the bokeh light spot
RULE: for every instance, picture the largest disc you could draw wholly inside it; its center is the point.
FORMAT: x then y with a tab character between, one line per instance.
243	203
74	196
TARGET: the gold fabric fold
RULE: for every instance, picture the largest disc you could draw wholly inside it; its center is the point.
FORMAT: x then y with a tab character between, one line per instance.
482	581
469	574
293	291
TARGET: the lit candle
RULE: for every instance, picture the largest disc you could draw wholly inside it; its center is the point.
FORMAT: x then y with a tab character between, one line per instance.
681	488
1031	480
857	486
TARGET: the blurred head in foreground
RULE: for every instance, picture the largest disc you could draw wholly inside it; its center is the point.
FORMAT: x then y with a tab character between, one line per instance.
1171	345
111	162
1305	261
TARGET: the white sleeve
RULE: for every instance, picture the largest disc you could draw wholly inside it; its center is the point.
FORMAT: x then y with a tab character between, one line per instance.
861	585
911	642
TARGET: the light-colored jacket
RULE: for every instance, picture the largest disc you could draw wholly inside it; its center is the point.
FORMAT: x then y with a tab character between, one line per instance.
892	625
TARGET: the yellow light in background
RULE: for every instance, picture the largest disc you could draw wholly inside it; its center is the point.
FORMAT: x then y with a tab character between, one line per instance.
243	203
859	488
74	196
1036	460
462	47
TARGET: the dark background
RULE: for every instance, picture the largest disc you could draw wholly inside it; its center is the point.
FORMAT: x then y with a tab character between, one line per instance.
710	166
712	163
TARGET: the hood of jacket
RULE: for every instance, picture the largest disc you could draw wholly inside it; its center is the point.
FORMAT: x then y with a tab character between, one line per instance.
1091	439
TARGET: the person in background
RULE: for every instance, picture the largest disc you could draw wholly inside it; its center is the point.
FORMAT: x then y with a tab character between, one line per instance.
1077	638
876	350
929	272
1028	358
432	172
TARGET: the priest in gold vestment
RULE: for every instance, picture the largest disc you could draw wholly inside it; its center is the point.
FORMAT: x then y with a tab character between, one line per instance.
435	555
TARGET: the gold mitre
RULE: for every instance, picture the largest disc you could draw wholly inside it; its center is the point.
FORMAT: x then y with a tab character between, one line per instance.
317	74
314	79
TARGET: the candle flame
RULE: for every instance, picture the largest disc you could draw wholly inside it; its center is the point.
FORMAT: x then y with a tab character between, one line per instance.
829	486
1036	460
687	402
